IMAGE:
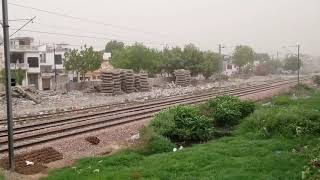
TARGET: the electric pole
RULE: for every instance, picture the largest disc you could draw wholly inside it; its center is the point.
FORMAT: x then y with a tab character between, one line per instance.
55	67
220	70
298	63
8	82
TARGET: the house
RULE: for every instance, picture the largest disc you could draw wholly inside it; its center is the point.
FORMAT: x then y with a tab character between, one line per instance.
39	62
228	67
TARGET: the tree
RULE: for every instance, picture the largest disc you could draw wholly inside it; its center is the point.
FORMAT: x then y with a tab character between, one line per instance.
137	57
192	59
114	46
243	55
82	61
211	64
273	66
171	59
291	63
262	57
17	74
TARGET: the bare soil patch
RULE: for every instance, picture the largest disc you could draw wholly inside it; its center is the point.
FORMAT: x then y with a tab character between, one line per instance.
33	162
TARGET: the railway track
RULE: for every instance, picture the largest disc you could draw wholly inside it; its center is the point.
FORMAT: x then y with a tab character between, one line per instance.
30	134
99	108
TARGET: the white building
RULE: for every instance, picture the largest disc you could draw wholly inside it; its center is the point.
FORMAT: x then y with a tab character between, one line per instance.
228	67
37	61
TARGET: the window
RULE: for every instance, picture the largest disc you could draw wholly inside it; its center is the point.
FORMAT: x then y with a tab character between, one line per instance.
16	58
43	58
229	66
33	62
58	59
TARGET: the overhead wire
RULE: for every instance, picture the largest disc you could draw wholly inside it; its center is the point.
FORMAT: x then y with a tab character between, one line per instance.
84	19
81	36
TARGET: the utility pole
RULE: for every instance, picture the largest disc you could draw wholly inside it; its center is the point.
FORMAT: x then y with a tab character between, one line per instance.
220	65
8	82
55	67
298	63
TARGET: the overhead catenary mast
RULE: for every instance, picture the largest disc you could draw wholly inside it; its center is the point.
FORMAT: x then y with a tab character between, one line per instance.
8	82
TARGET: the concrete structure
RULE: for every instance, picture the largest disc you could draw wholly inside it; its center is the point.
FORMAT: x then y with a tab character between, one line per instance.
37	61
228	67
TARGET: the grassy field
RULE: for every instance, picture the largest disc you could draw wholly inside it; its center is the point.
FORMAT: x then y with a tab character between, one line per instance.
260	148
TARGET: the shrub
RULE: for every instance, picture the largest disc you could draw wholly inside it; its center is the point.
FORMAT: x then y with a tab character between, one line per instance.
183	124
283	100
227	113
316	79
312	170
163	123
154	143
246	108
229	110
291	121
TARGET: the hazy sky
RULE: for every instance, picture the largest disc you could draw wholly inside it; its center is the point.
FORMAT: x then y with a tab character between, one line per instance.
266	25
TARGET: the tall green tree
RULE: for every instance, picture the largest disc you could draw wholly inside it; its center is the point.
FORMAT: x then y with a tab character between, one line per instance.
172	59
291	63
137	57
243	55
82	61
211	64
192	59
114	46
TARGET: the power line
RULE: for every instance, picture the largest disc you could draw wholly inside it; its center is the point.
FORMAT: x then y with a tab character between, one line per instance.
30	20
80	36
91	32
83	19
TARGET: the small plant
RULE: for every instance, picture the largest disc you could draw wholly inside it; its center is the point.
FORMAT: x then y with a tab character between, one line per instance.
154	143
229	110
246	108
312	170
183	124
227	113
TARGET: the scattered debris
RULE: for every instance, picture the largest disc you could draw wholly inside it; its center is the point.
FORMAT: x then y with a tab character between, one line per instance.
28	163
135	137
93	140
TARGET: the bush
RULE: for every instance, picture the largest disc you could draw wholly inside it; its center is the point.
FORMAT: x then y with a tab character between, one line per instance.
229	110
283	100
247	108
312	170
227	113
163	123
291	121
316	79
154	143
183	124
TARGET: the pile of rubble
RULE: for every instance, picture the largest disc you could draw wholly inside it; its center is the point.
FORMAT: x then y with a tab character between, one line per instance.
183	77
25	92
115	82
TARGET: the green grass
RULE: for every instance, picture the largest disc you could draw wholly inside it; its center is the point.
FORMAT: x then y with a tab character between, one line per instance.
229	158
245	155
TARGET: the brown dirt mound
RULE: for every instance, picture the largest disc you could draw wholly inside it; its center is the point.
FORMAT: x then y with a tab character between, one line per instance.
93	140
38	157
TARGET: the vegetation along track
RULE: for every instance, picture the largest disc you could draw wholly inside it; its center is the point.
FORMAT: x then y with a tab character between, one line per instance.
48	130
